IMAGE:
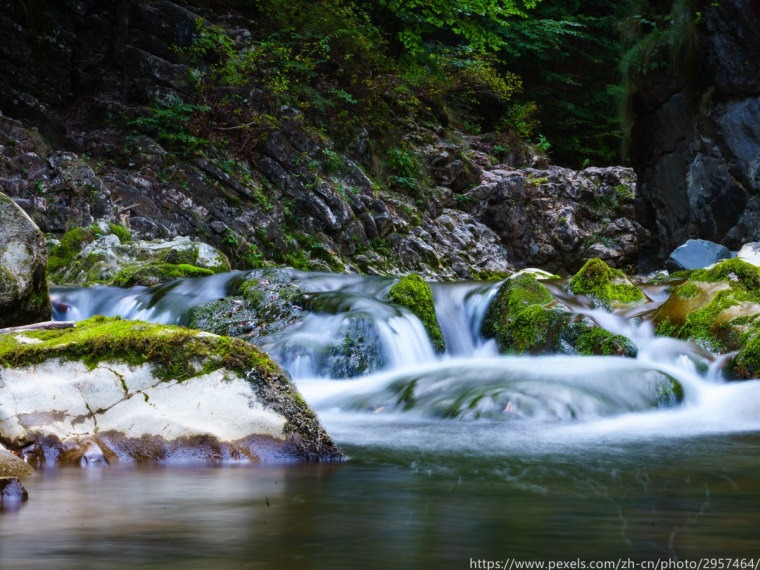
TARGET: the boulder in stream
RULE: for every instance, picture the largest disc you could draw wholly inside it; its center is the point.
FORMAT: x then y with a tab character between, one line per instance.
524	317
106	390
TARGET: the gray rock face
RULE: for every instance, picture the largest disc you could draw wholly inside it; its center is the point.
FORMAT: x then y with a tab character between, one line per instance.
696	254
695	142
557	218
23	258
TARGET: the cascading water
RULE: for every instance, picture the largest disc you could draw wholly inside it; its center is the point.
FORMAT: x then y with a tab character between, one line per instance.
455	458
398	380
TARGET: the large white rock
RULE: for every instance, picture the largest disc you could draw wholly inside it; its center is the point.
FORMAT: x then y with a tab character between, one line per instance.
55	408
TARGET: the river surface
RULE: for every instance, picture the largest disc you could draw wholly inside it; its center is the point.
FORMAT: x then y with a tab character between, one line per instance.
452	459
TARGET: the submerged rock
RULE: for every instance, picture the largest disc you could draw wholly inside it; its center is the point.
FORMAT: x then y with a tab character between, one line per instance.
109	389
23	257
11	490
266	302
12	466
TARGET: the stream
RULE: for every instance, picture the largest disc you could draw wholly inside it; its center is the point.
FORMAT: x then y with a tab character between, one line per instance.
452	458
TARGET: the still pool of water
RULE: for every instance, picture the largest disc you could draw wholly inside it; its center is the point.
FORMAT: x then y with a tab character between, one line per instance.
400	508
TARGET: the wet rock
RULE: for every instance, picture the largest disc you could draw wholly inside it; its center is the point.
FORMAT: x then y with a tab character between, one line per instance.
23	260
525	318
696	254
605	286
265	303
715	307
12	466
131	391
12	491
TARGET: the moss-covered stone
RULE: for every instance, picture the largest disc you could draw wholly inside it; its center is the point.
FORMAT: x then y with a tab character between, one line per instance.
155	273
124	235
412	292
264	304
70	244
746	364
521	318
714	307
525	318
535	330
175	354
175	351
605	286
594	340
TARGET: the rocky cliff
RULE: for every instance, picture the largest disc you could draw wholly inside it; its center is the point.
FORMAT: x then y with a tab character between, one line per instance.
695	135
104	123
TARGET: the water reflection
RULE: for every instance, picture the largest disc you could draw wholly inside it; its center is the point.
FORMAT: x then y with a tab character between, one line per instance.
398	508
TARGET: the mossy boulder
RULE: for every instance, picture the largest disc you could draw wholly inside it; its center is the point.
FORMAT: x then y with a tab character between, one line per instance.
524	318
593	340
412	292
746	364
605	286
24	295
266	302
715	307
104	254
109	389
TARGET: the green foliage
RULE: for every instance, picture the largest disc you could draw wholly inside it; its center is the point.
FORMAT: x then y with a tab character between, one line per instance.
567	54
482	25
412	292
169	121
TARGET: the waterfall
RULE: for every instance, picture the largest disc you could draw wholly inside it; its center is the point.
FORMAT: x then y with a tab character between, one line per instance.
359	359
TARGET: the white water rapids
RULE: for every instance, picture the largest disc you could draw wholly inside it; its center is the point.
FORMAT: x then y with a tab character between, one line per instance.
470	397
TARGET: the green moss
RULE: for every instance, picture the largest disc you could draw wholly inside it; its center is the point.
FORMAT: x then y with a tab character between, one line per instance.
185	256
120	232
746	364
155	273
701	309
604	285
70	245
412	292
177	353
596	340
670	393
734	271
510	317
687	291
535	330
